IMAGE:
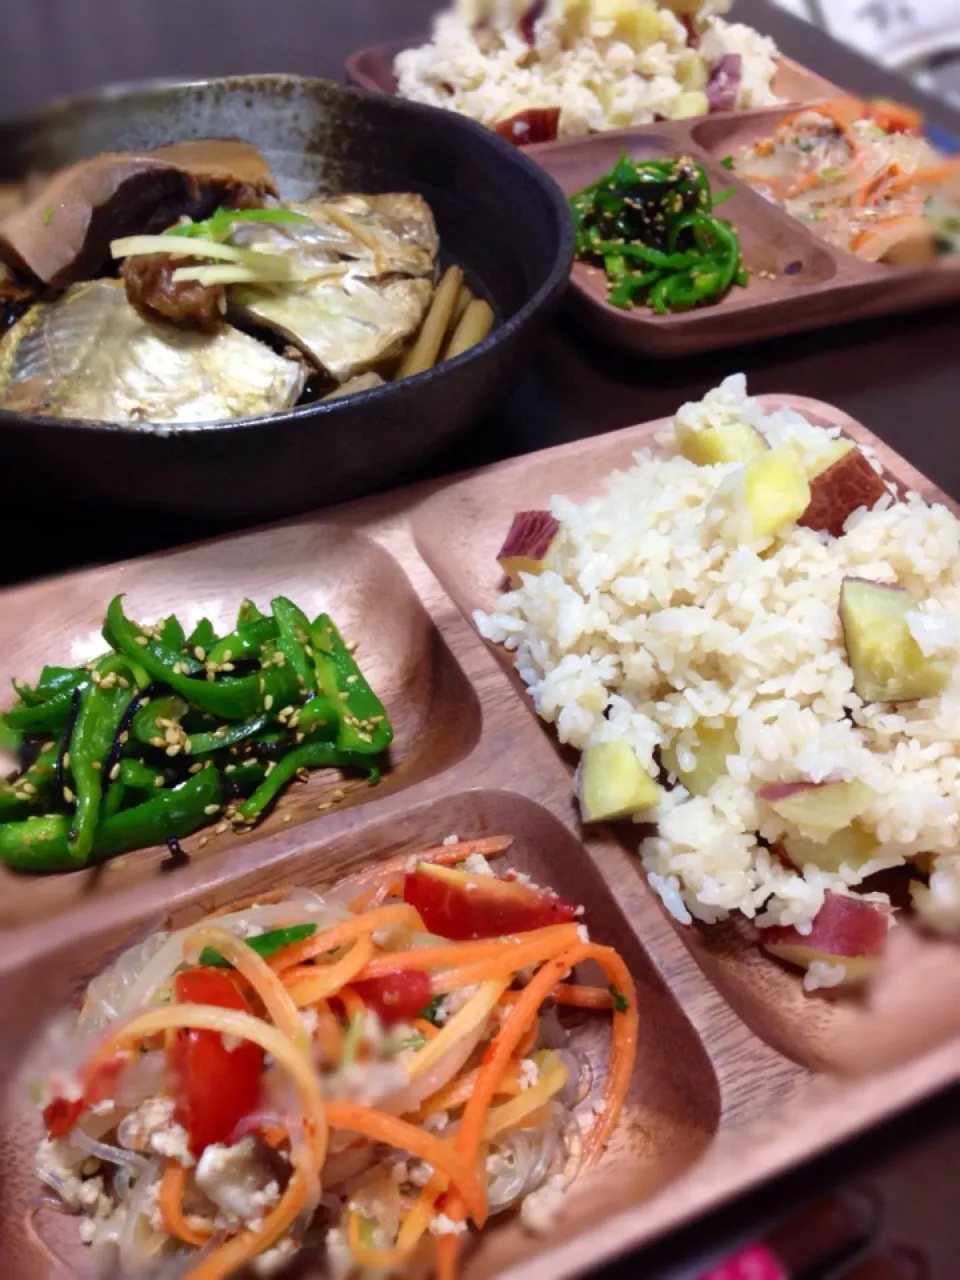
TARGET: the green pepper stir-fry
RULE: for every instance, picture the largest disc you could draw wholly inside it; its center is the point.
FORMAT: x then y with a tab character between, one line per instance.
650	224
167	732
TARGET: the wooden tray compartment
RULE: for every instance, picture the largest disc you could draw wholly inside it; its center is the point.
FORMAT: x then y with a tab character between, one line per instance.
786	264
718	1107
672	1112
908	1008
372	68
823	286
434	711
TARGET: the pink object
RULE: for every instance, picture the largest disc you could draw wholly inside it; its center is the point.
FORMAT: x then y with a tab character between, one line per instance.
756	1262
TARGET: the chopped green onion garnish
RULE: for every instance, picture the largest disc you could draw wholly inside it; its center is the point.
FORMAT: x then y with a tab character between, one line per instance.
620	1003
220	223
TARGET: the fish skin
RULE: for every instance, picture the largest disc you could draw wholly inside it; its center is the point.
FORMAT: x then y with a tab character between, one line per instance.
345	326
378	254
401	223
89	355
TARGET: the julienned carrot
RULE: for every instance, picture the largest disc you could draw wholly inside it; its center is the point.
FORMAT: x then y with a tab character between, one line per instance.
235	1253
934	173
170	1204
455	1094
508	961
274	1136
843	111
499	1053
426	1029
353	1005
894	117
354	927
326	980
529	1038
362	900
867	233
496	1060
403	1136
580	997
803	184
454	955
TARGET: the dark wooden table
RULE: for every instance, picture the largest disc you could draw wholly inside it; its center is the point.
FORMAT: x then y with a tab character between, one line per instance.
900	376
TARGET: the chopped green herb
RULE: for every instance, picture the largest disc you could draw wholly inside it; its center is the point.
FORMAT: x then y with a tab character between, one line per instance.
47	214
429	1011
725	194
650	224
219	225
727	162
264	944
620	1002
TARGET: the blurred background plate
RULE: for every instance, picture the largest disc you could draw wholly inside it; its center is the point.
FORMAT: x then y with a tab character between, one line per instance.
499	216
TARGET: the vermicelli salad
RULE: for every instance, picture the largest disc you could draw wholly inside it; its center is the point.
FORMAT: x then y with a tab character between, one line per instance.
364	1074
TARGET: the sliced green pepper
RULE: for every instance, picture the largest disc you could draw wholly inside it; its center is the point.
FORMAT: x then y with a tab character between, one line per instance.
31	787
293	641
40	844
146	726
202	636
247	613
232	699
171	633
47	716
139	776
631	286
240	777
320	716
364	726
245	642
102	704
264	944
310	755
202	744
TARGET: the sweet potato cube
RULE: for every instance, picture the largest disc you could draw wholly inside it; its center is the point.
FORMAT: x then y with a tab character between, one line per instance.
728	442
853	846
613	784
818	809
846	931
776	491
710	757
840	489
887	663
528	544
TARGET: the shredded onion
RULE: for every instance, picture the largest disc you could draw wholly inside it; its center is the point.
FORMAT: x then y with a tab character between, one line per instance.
108	1154
195	247
135	1245
142	970
440	1073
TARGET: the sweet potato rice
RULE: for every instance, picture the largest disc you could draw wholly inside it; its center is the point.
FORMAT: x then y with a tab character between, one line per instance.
606	64
658	615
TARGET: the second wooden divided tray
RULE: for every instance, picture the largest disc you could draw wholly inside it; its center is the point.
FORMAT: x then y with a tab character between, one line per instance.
797	281
739	1075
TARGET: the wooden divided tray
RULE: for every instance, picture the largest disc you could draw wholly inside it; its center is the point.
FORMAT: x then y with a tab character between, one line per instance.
738	1075
797	282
